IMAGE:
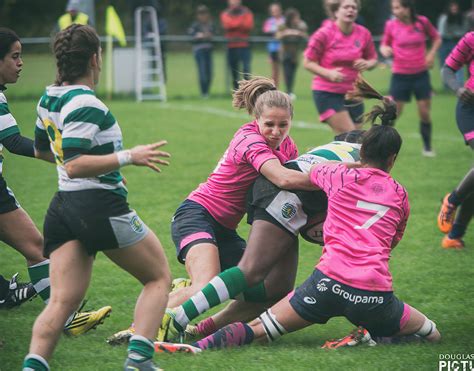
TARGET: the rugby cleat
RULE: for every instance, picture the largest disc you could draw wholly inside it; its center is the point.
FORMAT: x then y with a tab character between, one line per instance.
85	321
180	283
452	243
168	330
140	366
446	215
164	347
358	336
18	293
121	337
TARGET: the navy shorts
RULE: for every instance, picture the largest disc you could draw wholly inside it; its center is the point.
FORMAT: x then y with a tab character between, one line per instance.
193	224
330	103
8	201
274	56
465	120
100	219
320	298
402	86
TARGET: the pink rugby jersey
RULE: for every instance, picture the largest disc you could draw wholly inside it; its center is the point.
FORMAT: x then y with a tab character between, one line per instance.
367	215
331	48
408	42
224	192
463	54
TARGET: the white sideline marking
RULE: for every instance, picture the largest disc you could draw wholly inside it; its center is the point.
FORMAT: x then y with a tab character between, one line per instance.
296	123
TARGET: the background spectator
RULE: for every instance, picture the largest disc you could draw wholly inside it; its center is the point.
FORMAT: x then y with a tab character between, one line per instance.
270	27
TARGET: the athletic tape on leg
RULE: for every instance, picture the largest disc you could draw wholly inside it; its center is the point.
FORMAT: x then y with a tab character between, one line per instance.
427	328
273	329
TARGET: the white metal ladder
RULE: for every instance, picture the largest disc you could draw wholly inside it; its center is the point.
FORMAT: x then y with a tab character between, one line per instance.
150	79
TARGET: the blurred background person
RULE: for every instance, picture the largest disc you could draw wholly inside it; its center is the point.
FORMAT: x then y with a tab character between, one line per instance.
292	34
270	28
72	15
451	27
203	30
237	22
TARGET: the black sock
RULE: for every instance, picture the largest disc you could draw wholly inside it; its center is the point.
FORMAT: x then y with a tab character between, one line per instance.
425	131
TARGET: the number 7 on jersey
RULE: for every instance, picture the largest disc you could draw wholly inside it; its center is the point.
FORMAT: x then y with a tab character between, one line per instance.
380	210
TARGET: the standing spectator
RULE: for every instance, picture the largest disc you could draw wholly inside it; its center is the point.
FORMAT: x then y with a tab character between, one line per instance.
202	30
404	38
469	18
451	27
291	34
270	28
72	15
336	54
237	22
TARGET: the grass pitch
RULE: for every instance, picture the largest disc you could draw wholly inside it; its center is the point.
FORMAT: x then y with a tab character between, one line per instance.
437	282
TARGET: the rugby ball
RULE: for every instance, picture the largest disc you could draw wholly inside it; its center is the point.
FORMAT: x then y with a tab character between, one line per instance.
313	230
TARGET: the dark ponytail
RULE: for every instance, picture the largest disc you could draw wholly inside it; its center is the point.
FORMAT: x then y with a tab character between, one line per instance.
383	141
410	4
7	38
73	47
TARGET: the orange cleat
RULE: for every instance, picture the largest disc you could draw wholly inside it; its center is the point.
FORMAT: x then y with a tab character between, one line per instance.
164	347
446	215
357	337
452	243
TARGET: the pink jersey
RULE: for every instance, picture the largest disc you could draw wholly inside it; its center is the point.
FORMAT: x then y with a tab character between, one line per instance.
463	54
367	215
331	48
408	42
224	192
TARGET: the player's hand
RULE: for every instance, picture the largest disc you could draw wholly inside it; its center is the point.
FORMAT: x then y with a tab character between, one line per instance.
352	165
335	75
386	51
429	61
149	155
361	65
465	95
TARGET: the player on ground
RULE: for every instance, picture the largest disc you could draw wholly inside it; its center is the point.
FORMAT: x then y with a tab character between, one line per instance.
336	54
29	242
453	223
90	212
366	218
404	39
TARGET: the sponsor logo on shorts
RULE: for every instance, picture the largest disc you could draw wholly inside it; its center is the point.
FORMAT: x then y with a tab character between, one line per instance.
288	210
136	224
309	300
356	299
321	286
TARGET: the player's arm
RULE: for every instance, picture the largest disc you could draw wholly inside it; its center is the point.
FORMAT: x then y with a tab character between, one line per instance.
84	166
41	145
331	74
285	178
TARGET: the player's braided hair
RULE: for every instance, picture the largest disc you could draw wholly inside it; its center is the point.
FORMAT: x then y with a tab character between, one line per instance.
73	47
381	141
7	38
260	92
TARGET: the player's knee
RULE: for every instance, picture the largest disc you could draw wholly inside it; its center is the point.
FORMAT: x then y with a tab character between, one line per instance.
428	331
272	328
252	274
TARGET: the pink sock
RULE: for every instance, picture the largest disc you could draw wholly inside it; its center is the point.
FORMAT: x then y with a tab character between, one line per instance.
206	327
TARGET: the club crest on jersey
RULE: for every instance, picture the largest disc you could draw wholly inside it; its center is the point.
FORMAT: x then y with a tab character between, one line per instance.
136	224
357	43
288	210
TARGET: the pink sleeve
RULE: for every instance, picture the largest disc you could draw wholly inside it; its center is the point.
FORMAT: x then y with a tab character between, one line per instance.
369	49
387	38
403	222
332	177
462	53
316	45
252	149
430	30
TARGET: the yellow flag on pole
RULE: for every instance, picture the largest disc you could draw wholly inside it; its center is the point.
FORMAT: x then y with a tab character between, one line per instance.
113	26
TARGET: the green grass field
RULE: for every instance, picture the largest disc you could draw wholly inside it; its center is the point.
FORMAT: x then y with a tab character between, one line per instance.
437	282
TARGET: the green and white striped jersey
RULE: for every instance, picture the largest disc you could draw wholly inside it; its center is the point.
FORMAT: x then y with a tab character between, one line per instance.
8	125
76	122
334	151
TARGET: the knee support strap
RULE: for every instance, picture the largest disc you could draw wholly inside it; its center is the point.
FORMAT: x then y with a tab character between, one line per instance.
427	328
273	329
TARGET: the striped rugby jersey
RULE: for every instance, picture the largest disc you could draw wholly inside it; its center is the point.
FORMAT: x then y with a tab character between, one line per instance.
8	125
334	151
76	122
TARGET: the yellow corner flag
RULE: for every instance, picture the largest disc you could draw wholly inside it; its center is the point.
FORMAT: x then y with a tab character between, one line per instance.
113	25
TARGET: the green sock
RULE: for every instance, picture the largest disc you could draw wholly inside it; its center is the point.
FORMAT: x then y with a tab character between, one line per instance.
256	294
140	349
221	288
34	362
39	276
